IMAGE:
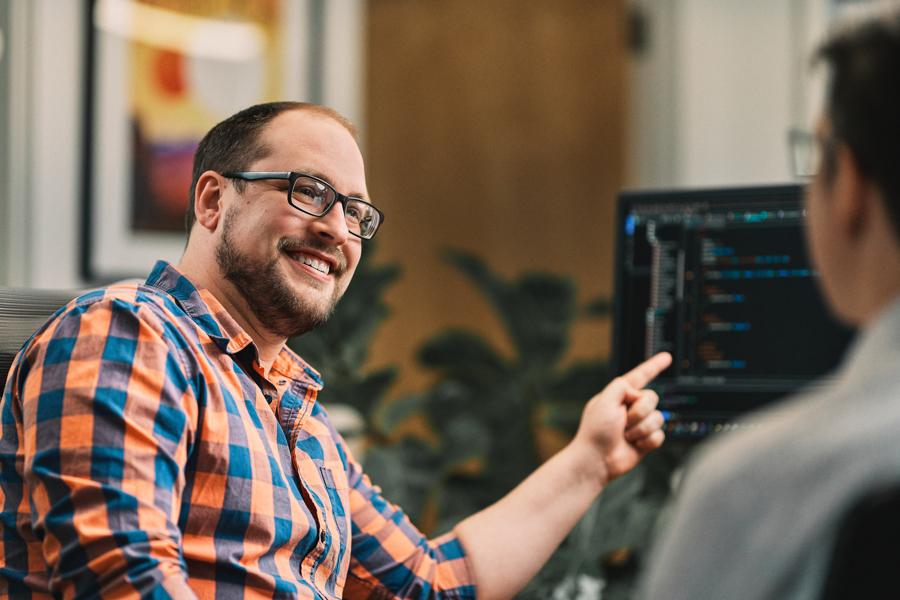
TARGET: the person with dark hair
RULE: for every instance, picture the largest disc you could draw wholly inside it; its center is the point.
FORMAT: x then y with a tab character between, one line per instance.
759	511
161	440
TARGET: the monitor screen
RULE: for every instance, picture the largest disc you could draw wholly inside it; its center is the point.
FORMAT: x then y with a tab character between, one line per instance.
721	279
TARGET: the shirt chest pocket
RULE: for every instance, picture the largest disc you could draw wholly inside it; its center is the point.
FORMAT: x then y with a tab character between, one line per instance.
333	487
336	489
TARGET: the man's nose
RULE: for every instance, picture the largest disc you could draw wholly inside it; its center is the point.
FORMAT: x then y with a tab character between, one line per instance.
332	225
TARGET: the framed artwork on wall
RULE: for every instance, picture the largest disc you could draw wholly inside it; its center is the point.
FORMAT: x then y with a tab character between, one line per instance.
160	74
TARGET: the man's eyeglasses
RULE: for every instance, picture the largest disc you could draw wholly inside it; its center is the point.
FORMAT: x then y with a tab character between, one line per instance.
807	152
316	197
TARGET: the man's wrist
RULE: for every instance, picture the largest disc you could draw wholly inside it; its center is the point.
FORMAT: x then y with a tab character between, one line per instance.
588	463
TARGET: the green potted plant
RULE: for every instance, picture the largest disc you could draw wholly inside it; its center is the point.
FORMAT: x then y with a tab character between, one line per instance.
491	415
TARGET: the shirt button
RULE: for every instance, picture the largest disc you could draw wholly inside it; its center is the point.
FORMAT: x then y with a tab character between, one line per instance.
323	537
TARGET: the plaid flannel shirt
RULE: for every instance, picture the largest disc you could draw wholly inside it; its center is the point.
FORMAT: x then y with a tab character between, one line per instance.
143	452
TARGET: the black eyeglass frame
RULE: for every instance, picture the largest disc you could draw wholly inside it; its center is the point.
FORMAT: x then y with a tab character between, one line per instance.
292	176
809	153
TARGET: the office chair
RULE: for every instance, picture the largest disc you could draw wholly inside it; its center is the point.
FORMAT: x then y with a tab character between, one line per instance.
22	311
866	554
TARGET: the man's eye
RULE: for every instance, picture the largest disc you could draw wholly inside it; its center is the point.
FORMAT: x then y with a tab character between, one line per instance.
308	194
354	212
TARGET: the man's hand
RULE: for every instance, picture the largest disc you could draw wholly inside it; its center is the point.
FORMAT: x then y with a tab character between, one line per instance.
508	542
621	424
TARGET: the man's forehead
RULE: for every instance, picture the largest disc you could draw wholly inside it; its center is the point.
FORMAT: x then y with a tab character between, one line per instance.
310	123
299	140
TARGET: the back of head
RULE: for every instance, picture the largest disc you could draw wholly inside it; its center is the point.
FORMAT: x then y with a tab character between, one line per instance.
863	95
235	143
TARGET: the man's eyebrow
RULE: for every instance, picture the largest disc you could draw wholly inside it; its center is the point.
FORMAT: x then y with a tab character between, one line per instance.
324	178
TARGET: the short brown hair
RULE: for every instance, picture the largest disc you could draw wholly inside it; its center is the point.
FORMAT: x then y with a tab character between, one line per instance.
234	144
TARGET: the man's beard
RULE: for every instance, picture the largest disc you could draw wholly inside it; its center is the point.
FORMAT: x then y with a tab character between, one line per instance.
267	293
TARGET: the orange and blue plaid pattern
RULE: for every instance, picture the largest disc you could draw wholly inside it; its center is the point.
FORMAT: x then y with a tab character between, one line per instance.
144	453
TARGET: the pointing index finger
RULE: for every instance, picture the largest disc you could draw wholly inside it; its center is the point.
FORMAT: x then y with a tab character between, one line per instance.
647	371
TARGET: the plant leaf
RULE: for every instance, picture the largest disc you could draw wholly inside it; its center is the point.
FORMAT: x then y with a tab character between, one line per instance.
390	415
462	355
598	307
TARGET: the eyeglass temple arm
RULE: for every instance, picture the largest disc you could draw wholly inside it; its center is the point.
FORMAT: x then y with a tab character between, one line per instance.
254	175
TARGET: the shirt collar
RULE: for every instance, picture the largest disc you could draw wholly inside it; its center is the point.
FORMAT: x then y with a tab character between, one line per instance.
210	316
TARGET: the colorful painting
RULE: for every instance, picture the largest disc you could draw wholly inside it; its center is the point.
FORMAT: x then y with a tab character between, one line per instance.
225	58
162	73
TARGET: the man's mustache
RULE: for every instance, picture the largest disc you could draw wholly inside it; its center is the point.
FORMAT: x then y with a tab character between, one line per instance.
298	245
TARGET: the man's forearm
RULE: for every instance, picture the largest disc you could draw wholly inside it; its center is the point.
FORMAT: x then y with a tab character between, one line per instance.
508	542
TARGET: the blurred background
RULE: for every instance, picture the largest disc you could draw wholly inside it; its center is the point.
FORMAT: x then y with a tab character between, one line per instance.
502	127
497	134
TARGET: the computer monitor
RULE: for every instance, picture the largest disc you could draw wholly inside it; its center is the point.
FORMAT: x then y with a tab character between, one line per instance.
721	279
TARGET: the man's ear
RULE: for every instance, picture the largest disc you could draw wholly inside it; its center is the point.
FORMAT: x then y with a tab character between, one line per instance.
208	209
853	192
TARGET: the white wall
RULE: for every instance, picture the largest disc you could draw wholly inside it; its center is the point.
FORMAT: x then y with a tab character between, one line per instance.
58	76
344	54
713	98
734	93
5	248
719	87
45	53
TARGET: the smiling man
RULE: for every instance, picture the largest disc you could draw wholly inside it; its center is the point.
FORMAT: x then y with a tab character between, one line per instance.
161	439
280	273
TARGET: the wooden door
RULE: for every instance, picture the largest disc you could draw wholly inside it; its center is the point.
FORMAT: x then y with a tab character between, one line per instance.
494	126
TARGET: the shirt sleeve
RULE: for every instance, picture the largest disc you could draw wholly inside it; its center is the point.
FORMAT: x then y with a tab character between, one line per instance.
108	418
391	559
